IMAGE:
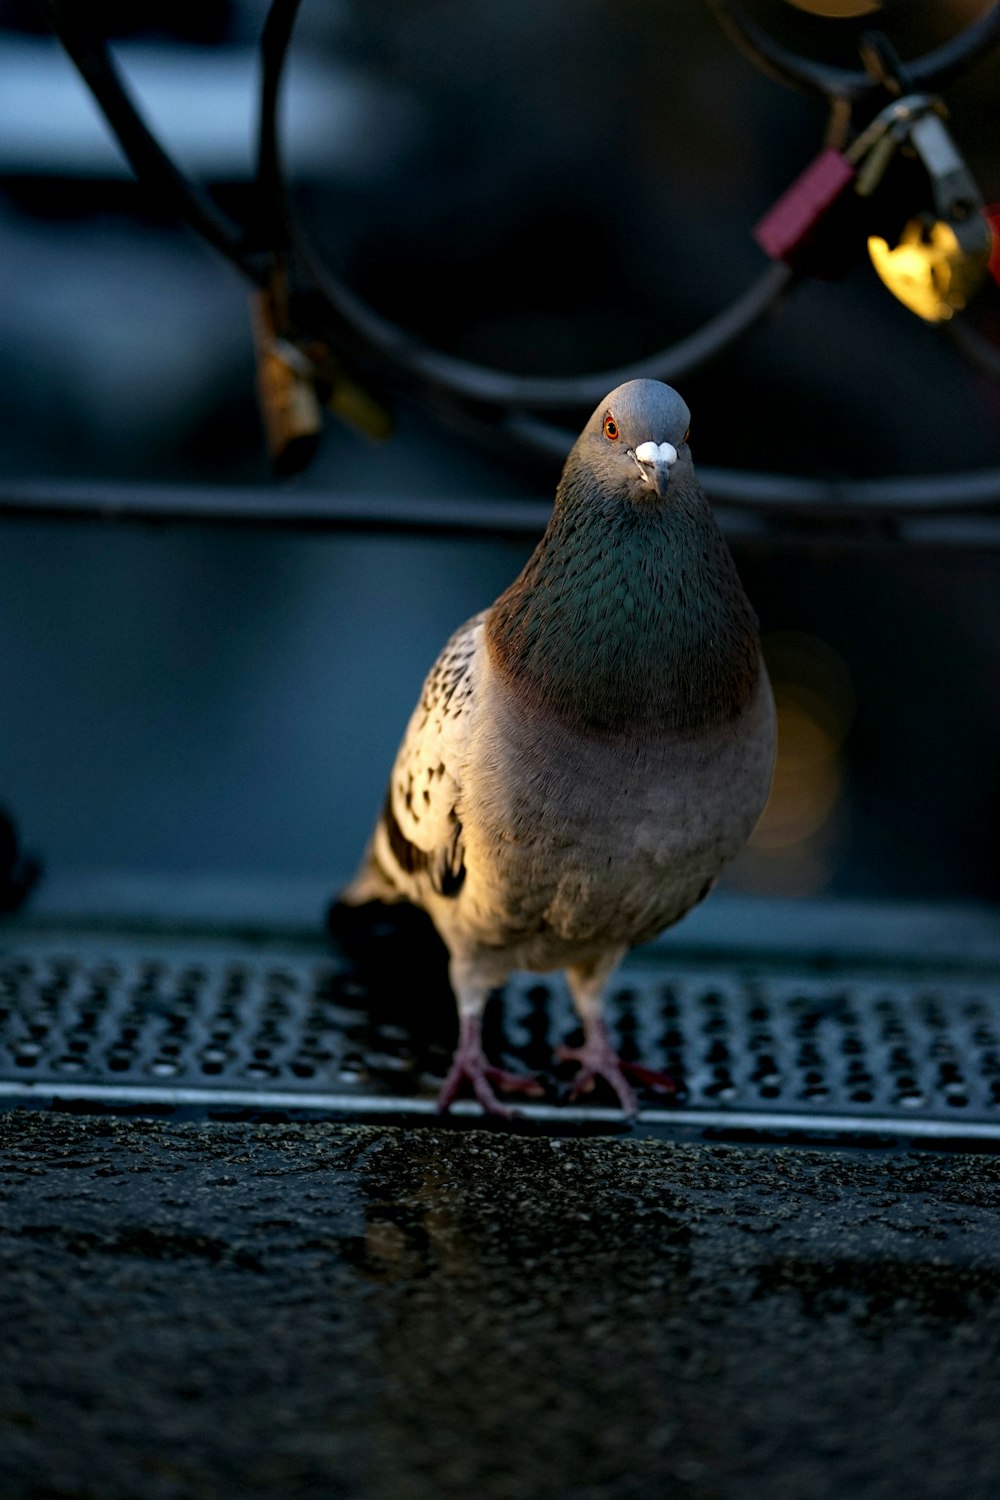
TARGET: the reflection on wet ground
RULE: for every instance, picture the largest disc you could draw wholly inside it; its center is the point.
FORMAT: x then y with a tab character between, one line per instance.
310	1310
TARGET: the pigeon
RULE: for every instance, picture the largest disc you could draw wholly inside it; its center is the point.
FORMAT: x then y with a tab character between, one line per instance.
589	753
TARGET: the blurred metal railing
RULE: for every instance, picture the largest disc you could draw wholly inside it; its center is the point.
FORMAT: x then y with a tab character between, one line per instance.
948	511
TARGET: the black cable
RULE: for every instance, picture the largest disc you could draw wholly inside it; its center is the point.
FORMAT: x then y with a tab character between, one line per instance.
930	73
272	205
494	388
147	158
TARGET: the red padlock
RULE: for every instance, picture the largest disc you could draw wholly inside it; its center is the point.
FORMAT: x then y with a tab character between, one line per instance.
804	227
992	216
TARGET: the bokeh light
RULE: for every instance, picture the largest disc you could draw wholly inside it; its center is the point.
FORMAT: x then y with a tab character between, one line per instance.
837	9
792	851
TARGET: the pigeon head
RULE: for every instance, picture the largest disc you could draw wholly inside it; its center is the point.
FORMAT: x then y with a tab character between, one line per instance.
636	440
629	615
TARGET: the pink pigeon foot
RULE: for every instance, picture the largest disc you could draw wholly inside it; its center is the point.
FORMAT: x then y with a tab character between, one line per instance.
470	1065
598	1059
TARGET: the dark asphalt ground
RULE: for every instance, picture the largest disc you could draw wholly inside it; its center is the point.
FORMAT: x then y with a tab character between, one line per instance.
310	1311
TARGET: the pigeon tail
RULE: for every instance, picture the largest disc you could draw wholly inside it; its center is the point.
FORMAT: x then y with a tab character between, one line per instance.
370	882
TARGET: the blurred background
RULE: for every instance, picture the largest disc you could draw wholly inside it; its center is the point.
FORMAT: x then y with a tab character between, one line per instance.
545	188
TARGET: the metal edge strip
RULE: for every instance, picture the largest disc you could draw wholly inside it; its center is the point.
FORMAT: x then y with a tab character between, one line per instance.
927	1129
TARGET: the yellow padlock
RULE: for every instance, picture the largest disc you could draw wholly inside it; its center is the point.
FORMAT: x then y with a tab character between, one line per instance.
286	390
937	266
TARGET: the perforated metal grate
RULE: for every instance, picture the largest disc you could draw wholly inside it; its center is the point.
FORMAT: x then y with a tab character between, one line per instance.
766	1047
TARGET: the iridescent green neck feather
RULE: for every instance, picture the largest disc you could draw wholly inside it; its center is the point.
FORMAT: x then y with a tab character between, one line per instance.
629	617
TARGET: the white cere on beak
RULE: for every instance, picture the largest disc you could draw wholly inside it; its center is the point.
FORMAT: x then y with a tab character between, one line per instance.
656	453
655	462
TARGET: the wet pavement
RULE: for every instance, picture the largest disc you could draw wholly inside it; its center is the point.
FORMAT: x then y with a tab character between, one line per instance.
306	1311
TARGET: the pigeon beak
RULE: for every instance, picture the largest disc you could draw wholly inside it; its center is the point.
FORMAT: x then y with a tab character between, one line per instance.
655	461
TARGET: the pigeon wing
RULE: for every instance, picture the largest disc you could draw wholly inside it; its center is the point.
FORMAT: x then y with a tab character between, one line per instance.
418	843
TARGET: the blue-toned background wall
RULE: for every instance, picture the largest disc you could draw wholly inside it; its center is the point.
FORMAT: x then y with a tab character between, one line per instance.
550	188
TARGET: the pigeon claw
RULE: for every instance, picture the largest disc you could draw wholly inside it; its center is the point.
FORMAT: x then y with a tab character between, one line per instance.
597	1059
595	1064
651	1078
470	1066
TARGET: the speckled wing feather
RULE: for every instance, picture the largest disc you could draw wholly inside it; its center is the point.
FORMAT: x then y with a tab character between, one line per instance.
417	846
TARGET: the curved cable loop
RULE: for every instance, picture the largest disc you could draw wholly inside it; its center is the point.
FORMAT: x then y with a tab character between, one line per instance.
487	387
400	352
930	73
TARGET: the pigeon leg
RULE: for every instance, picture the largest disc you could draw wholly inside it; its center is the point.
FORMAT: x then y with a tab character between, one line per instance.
469	1064
597	1058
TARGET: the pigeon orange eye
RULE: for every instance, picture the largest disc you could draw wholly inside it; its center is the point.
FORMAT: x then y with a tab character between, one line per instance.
610	428
686	436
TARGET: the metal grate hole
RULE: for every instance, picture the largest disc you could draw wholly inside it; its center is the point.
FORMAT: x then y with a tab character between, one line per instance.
846	1047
